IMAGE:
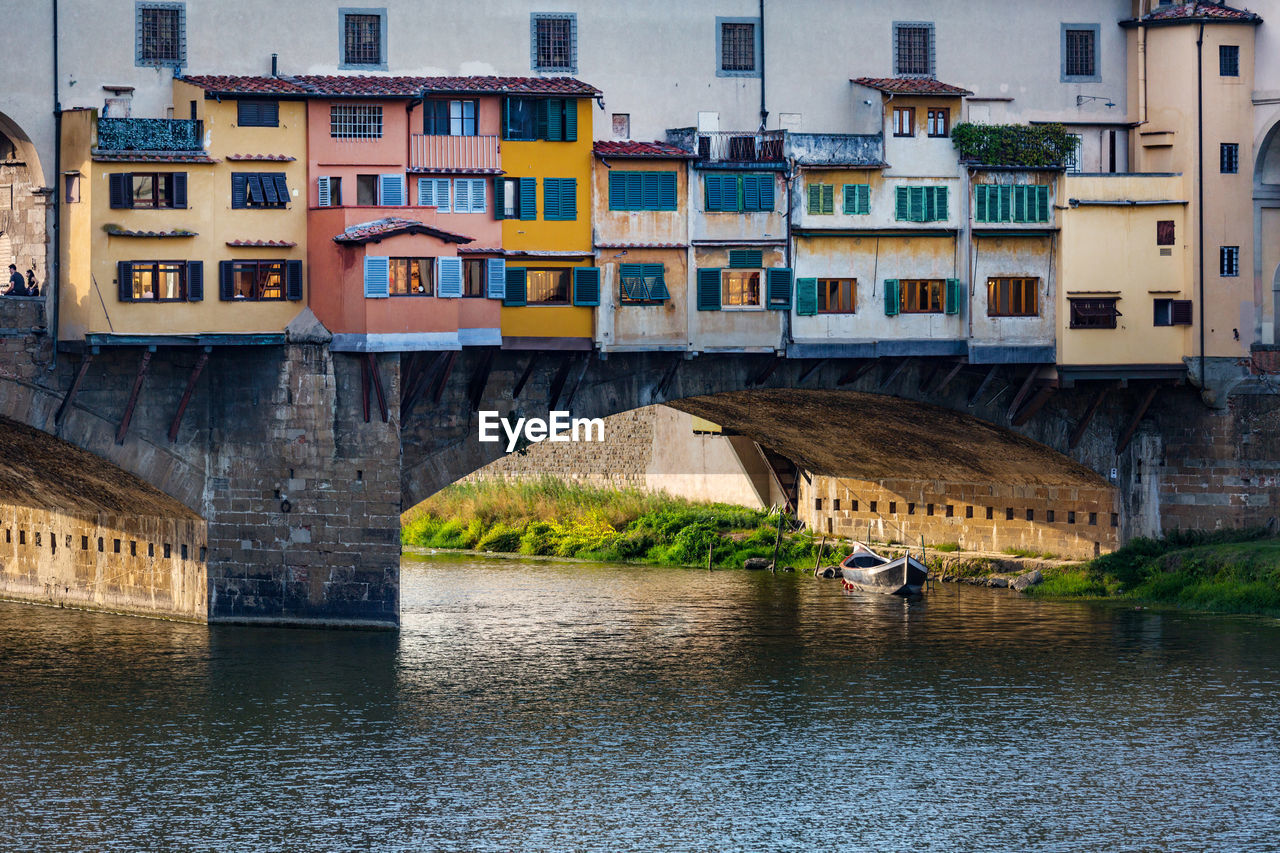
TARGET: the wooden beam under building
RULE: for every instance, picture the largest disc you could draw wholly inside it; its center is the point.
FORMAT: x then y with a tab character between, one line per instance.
85	361
1141	410
186	395
1078	433
133	395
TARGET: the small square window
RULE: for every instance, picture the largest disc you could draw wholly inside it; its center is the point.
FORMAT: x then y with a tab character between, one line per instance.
968	512
817	504
737	47
1165	232
1115	519
904	121
1093	519
554	42
873	506
1228	60
893	507
911	508
1049	516
133	548
1080	52
1071	517
991	512
929	509
853	506
1229	261
913	49
151	549
160	37
364	36
1229	160
1031	515
1172	312
951	511
835	504
1008	514
168	550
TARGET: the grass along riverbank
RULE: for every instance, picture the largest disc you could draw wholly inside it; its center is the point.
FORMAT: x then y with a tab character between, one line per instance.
1235	571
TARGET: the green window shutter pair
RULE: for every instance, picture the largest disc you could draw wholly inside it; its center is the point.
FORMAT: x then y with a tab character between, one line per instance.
921	204
642	190
517	287
559	199
709	290
1031	203
951	304
721	193
892	297
735	193
746	259
1005	203
757	192
778	288
527	204
822	199
806	297
643	282
586	286
857	199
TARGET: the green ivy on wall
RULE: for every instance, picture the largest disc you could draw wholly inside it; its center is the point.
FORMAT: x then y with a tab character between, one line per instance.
1044	145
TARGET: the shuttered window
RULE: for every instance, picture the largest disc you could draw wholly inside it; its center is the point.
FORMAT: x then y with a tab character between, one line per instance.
778	288
258	113
449	278
496	278
586	286
642	284
147	189
559	199
377	277
259	189
435	192
857	199
923	296
328	192
921	204
735	193
550	119
1094	313
1172	312
1025	203
156	281
470	195
822	199
259	281
642	190
749	259
709	289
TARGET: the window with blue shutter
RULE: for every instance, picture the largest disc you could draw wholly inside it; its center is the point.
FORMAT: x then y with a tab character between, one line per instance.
806	297
226	281
722	193
528	200
642	284
449	278
892	297
517	286
377	277
709	289
778	288
195	281
496	269
434	192
461	196
586	286
857	199
259	189
391	190
953	296
180	189
921	204
293	280
468	195
323	198
757	192
120	189
571	120
746	259
559	199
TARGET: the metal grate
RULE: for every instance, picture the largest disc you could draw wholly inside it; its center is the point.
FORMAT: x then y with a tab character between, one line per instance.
1229	261
160	34
1230	160
1080	53
554	49
737	47
913	50
355	121
362	40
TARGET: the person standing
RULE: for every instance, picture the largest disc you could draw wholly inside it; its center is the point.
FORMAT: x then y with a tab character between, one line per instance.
33	289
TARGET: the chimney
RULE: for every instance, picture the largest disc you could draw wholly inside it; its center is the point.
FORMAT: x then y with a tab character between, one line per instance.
275	65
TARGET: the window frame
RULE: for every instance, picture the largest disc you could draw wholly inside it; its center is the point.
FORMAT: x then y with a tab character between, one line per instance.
403	262
351	124
1229	261
936	287
1229	60
931	49
158	179
1080	310
910	113
469	264
754	71
1172	312
431	122
656	271
344	61
843	286
1229	158
236	266
933	113
566	272
537	17
143	61
155	268
1166	232
1014	283
1066	75
262	179
241	103
729	273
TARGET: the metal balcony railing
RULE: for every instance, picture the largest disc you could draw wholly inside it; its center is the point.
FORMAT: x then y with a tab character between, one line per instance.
149	134
430	153
728	146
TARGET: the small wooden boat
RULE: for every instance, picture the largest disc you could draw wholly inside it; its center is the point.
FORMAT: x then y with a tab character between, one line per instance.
867	571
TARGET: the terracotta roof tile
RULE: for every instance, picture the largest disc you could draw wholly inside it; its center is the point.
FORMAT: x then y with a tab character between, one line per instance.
912	86
365	86
262	244
126	232
478	250
642	245
371	232
275	158
1199	10
640	149
100	156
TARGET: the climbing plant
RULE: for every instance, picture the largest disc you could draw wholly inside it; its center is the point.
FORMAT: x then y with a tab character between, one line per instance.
1014	144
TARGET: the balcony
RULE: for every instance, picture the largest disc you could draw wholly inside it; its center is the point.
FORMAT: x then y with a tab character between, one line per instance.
149	134
732	148
475	155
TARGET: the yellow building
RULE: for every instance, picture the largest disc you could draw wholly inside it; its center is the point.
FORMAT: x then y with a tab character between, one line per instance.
544	200
184	230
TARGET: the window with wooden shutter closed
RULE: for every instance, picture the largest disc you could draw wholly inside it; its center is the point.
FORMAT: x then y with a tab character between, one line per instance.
180	189
806	297
709	289
226	281
124	281
461	196
377	277
517	287
121	189
322	192
778	288
239	190
746	259
449	278
586	286
293	280
195	281
951	305
857	199
1182	312
499	198
528	207
892	297
496	285
391	190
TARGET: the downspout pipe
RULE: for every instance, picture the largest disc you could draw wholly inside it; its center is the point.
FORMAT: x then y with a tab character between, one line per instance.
1200	185
55	266
764	112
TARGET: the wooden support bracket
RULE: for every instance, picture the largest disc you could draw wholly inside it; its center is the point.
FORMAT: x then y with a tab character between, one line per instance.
763	376
668	377
443	380
481	377
557	383
982	386
1035	404
1137	417
857	371
524	377
133	395
577	382
372	360
946	379
817	365
1078	433
186	395
85	361
1022	394
894	374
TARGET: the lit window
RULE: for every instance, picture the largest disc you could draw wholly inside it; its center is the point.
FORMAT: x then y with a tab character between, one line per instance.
410	276
1013	297
921	297
159	280
740	289
547	287
258	281
836	295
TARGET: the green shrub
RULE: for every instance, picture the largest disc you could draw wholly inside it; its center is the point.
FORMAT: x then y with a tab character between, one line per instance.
1046	145
500	538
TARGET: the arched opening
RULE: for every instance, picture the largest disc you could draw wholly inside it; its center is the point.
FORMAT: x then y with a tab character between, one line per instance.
1266	201
24	206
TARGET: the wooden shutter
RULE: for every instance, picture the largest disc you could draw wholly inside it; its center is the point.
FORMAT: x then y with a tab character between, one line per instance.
806	297
568	191
239	184
323	198
765	183
586	286
778	288
892	297
648	182
1180	312
618	191
499	197
714	187
750	193
1020	213
528	208
478	193
1042	203
828	200
708	289
555	119
496	278
377	277
657	274
571	120
857	199
391	190
815	199
902	203
941	209
951	303
282	187
293	280
551	198
981	212
121	189
124	281
1003	208
426	192
541	119
462	196
666	191
517	287
195	281
746	259
449	278
632	273
179	189
441	194
226	281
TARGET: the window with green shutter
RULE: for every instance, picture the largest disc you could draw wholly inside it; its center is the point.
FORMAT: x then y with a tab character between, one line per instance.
822	199
778	288
586	286
806	297
734	193
517	287
642	284
527	201
892	297
709	290
857	199
921	204
559	199
642	190
746	259
953	297
1025	203
721	193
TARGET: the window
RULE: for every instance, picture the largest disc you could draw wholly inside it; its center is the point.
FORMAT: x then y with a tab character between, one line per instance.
547	287
147	189
822	199
473	276
904	121
1172	312
740	289
737	47
518	198
1229	160
642	284
152	189
161	34
939	123
559	199
642	190
921	296
1229	261
364	34
551	119
554	42
1005	203
258	189
1165	232
1080	52
736	193
1072	161
1228	60
1094	313
1013	297
857	199
355	121
449	118
258	281
470	195
411	276
836	295
913	49
329	192
162	281
258	113
366	190
921	204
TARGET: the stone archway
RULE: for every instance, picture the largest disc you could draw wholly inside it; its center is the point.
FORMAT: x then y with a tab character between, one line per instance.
1266	229
24	204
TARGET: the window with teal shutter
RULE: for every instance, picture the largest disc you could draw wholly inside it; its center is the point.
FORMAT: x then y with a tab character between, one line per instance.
377	277
586	286
555	119
391	190
642	190
746	259
757	192
709	290
721	193
642	283
778	287
496	278
892	297
528	198
822	199
921	204
559	199
666	190
806	297
449	278
571	120
857	199
499	197
517	287
953	297
940	208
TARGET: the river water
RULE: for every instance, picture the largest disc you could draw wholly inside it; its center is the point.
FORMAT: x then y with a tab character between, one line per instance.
550	707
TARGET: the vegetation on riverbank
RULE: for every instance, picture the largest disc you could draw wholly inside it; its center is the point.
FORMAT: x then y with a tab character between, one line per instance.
549	517
1235	571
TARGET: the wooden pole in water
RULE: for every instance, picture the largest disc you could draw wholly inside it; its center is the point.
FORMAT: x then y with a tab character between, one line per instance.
924	560
710	545
818	561
777	543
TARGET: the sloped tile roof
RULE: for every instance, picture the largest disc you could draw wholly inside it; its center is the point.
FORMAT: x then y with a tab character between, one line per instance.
366	86
262	244
640	149
127	232
642	245
100	156
371	232
274	158
1198	10
912	86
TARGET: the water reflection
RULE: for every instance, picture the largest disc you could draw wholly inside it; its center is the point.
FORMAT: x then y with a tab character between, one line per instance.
553	707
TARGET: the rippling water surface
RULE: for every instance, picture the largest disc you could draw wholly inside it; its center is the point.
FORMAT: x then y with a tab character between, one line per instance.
544	707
